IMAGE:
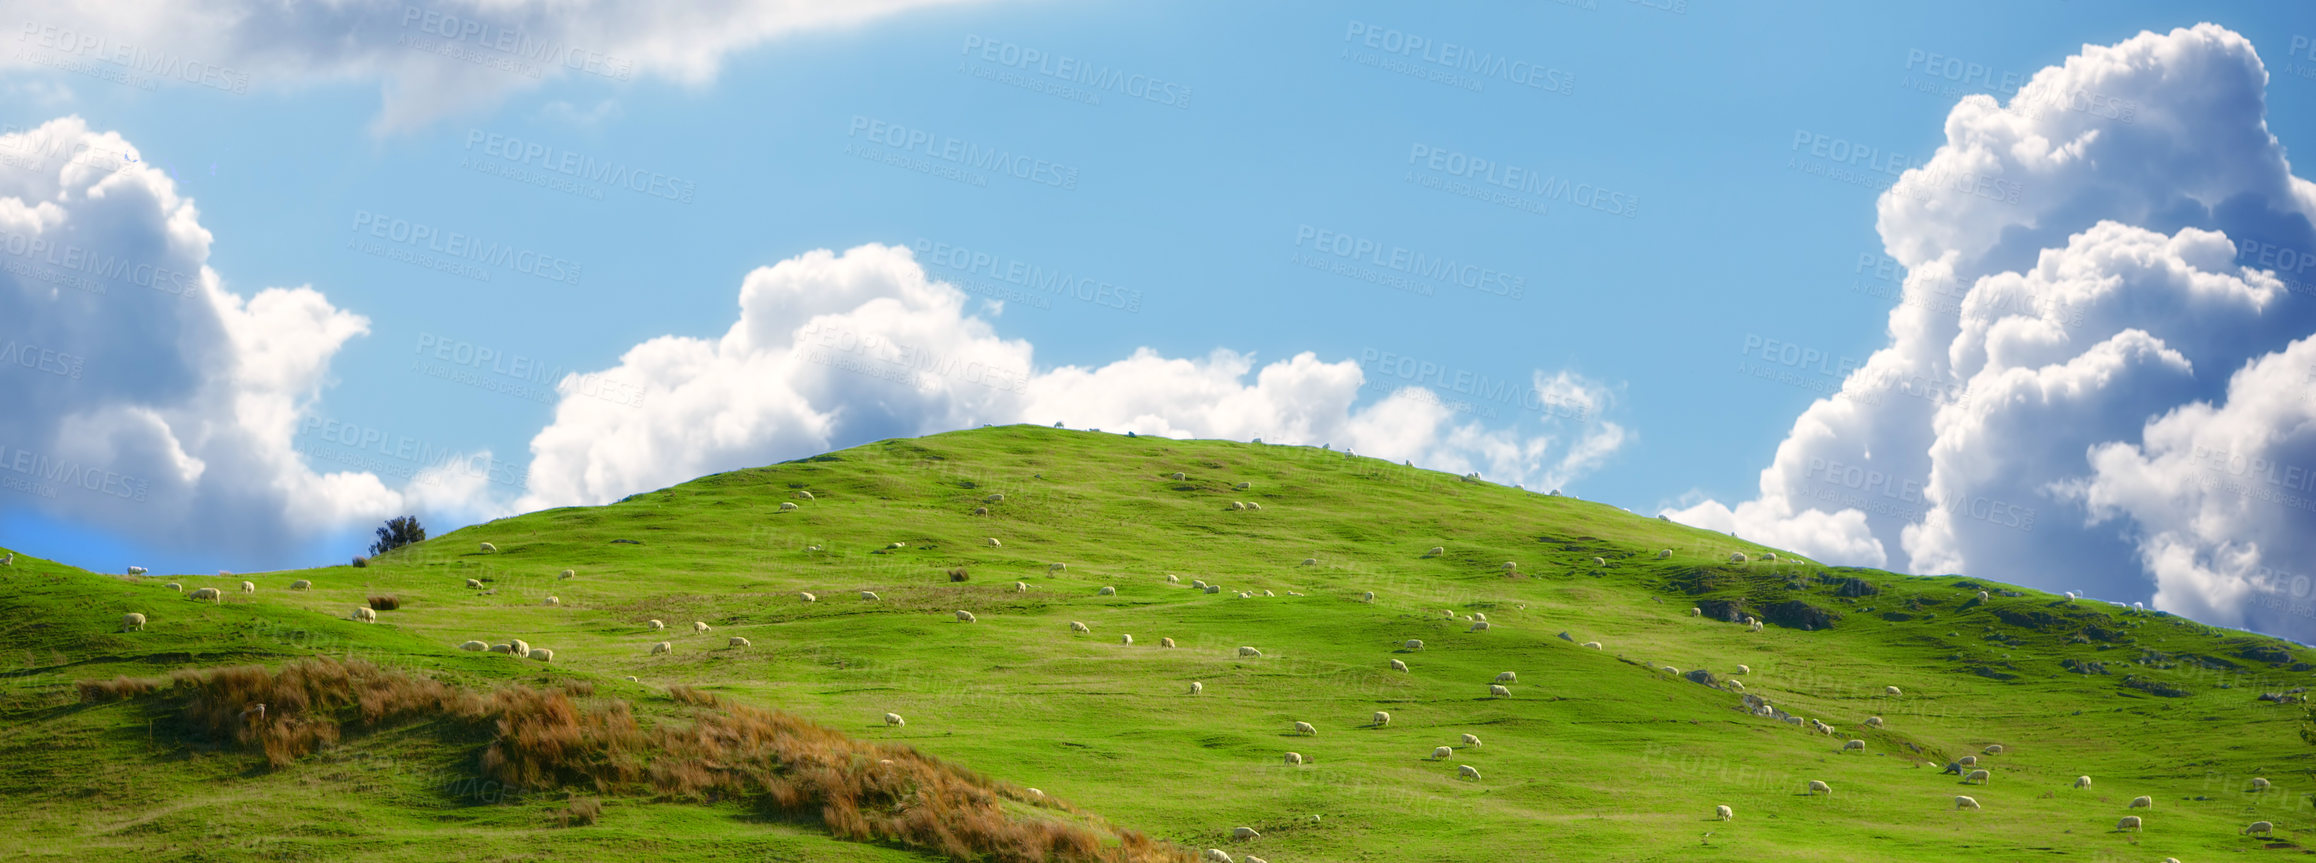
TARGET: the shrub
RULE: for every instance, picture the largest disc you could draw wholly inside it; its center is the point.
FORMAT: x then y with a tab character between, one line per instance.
385	603
360	561
580	813
958	574
397	533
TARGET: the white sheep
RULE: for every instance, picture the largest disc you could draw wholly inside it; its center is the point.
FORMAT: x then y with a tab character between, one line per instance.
1479	615
1198	584
473	645
804	494
1744	669
1737	557
699	626
1754	626
1165	642
1294	758
1873	722
896	544
1381	719
519	647
993	543
1177	475
1511	566
1413	644
1479	626
1237	505
1968	761
1079	627
807	596
1769	555
175	586
1268	593
1466	771
658	648
1397	665
487	548
655	624
1670	670
474	584
1021	587
1436	551
1106	591
2263	828
995	498
1890	690
868	596
552	600
1858	745
1249	651
1499	690
2129	822
1127	639
501	648
1816	786
739	641
1982	596
1508	677
1215	855
1310	561
1056	567
787	506
1442	753
1197	687
1994	749
248	587
2141	802
568	573
2259	784
1369	597
1471	740
1306	728
132	622
1978	776
1173	579
1696	612
1213	588
1243	486
301	584
2082	782
1962	802
1600	561
136	570
541	654
966	616
1254	506
362	613
1591	644
894	720
1663	553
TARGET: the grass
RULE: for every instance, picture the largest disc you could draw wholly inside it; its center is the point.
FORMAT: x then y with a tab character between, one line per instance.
1596	755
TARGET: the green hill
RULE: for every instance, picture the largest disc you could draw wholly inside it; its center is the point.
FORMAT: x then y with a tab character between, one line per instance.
1597	754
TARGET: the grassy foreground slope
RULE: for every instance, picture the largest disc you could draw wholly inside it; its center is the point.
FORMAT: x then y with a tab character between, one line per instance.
1596	755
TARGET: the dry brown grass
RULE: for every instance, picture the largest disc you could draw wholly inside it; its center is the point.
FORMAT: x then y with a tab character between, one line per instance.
544	739
389	602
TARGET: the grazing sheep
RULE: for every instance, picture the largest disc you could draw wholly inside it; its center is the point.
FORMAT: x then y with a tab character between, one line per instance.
1056	567
1723	813
891	545
248	587
1198	584
1173	579
1382	719
1873	722
1165	642
1962	802
1769	555
1479	626
739	641
1464	771
1413	644
699	626
1755	626
1306	728
1499	690
1397	665
1737	557
132	622
552	601
807	596
2141	802
995	498
1591	644
655	625
1177	475
1968	761
966	616
502	648
136	570
541	654
1127	639
1858	745
868	596
1470	740
1369	597
1254	506
894	720
1215	855
473	645
1696	612
1982	596
1479	615
1310	561
787	506
1442	753
519	647
1436	551
1197	687
2129	822
175	586
1292	758
993	543
1744	669
1237	505
301	584
1021	587
1663	553
1511	566
1249	651
1671	670
2082	782
2263	828
981	510
488	548
1816	786
569	573
1106	591
1508	677
1268	593
471	583
662	647
362	613
1890	690
1079	627
1978	776
2259	784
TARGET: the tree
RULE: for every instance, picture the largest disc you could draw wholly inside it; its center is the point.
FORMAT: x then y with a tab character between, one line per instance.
397	533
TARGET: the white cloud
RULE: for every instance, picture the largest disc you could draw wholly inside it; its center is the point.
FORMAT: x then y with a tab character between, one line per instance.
2093	227
831	350
430	59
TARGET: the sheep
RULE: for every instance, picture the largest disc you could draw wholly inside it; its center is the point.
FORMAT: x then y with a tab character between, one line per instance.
2259	784
1755	626
2141	802
1696	612
1873	722
552	600
1890	690
807	596
1744	669
993	543
1436	551
1213	588
568	573
1723	813
473	645
1397	665
1165	642
1663	553
1413	644
658	648
489	548
1381	719
1237	505
1816	786
1670	670
995	498
787	506
1249	651
2129	822
1769	555
2261	827
519	647
1479	626
1198	584
739	641
1479	615
1442	753
804	494
1215	855
1310	561
1511	566
1508	677
1600	561
1243	486
1197	687
1177	475
1464	771
1471	740
1056	567
132	622
2082	782
1021	587
896	544
965	616
1499	690
1292	758
655	624
248	587
1268	593
362	613
1306	728
1737	557
1982	596
1106	591
175	586
301	584
1173	579
894	720
868	596
501	648
1968	761
474	584
1368	597
136	570
1254	506
1126	639
541	654
1978	776
699	626
1080	627
1591	644
981	510
1962	802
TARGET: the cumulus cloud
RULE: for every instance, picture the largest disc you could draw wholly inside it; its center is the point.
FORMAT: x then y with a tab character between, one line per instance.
430	59
832	350
2125	236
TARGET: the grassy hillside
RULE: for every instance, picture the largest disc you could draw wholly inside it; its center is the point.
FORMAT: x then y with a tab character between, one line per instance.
1596	755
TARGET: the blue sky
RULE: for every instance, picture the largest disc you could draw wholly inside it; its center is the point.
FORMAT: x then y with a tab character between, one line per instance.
1705	128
